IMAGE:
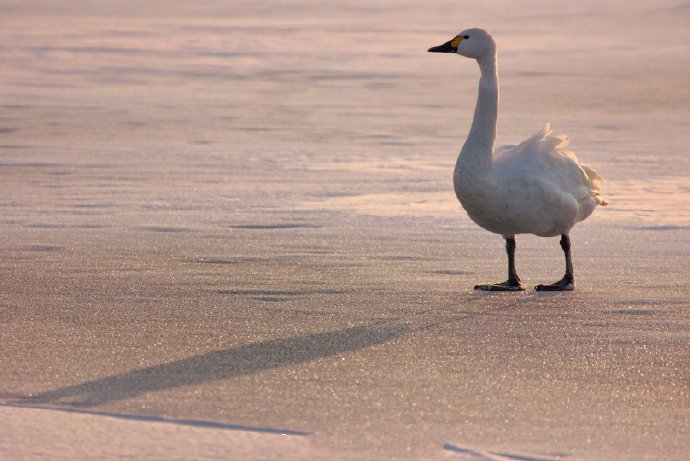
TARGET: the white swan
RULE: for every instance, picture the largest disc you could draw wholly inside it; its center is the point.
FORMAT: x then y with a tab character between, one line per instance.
536	187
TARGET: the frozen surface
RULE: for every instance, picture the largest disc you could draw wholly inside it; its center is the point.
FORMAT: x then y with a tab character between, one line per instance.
32	433
242	213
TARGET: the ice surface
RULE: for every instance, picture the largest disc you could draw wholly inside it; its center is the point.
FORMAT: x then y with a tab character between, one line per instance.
242	213
34	433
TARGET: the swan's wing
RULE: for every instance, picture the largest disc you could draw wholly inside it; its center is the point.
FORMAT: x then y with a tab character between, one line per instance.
544	157
501	149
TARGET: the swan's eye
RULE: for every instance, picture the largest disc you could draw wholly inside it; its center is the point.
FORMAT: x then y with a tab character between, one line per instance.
466	37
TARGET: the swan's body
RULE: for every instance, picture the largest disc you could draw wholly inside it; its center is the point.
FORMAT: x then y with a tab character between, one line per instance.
536	187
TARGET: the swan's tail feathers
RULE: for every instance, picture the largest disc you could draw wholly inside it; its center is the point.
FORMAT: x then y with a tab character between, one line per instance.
596	179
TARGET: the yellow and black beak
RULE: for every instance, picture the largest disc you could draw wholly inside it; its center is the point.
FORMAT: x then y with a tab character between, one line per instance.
448	47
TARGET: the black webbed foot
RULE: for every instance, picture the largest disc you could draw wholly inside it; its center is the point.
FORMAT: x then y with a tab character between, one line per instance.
565	284
509	285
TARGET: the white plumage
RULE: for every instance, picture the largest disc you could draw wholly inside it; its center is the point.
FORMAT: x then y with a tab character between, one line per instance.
536	187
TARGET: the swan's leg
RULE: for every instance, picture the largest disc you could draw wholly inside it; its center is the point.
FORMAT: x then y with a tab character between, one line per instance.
513	283
567	283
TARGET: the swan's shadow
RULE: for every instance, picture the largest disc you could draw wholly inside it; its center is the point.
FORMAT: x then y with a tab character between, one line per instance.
224	364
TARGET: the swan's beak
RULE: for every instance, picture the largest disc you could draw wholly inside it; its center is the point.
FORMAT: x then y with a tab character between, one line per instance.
445	48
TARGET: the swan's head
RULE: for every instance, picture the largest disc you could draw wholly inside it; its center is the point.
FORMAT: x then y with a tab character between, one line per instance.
471	43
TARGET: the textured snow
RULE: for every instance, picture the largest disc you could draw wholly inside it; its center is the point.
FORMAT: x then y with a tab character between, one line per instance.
242	213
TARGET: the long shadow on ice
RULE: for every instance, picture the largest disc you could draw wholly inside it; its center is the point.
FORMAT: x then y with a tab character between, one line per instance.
224	364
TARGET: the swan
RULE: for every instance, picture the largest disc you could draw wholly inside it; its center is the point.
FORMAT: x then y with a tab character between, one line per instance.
536	187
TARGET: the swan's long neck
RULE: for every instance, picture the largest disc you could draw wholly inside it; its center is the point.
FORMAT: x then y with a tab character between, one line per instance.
477	151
